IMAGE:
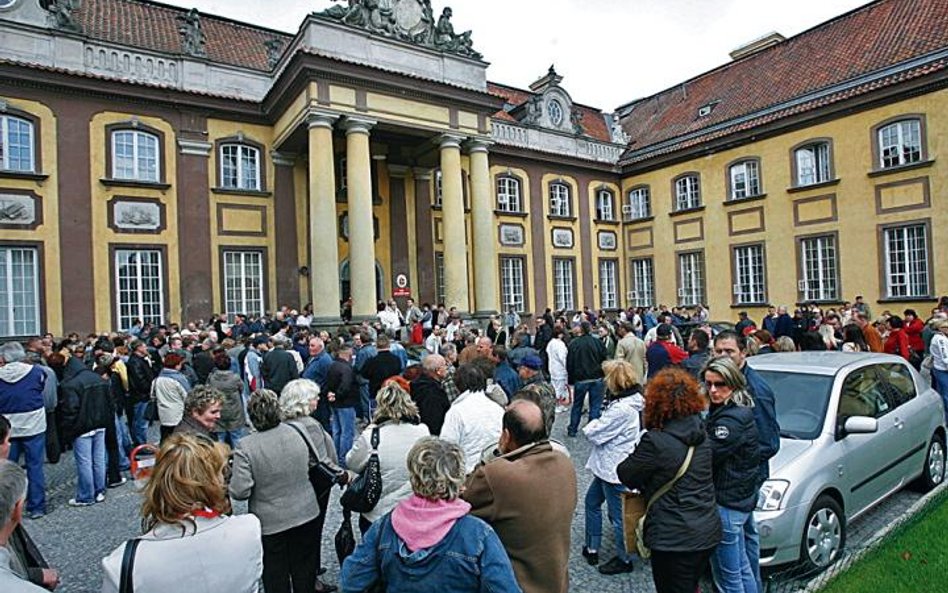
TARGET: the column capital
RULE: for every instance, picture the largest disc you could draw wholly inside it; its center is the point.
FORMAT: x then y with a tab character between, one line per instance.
398	170
422	173
449	141
321	119
357	125
478	145
283	159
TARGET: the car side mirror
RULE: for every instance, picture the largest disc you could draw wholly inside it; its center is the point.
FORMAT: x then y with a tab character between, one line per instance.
859	425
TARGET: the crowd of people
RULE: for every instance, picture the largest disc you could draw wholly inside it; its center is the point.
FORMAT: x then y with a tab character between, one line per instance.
456	416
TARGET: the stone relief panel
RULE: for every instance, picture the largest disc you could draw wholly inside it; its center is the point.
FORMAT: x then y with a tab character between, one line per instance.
19	210
136	215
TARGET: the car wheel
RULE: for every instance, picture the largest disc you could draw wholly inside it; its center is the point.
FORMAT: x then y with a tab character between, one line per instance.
824	534
933	472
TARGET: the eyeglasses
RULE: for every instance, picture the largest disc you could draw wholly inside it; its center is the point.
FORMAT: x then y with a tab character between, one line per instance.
715	384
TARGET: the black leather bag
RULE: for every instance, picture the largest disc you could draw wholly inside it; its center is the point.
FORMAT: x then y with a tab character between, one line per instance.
345	539
321	475
364	493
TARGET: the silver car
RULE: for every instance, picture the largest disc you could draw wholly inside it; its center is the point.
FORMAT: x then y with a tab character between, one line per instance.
854	428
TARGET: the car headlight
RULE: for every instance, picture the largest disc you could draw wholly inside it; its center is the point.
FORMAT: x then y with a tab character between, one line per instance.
771	495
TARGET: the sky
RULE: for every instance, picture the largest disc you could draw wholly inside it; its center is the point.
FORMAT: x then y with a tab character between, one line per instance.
609	52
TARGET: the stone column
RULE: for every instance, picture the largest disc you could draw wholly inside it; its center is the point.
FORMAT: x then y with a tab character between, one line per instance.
324	252
455	230
486	294
361	228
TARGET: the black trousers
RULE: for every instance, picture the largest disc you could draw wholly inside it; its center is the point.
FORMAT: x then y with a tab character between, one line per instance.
112	473
678	572
291	556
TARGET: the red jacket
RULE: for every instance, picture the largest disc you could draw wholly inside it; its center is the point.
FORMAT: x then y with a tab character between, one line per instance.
914	332
897	343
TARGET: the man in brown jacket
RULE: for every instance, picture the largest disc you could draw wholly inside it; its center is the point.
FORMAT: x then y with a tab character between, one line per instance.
869	332
528	496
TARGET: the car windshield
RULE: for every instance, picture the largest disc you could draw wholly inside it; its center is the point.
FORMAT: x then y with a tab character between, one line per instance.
802	400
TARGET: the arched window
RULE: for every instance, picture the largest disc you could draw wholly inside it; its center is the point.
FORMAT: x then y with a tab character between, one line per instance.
605	205
640	203
240	167
813	163
900	143
560	202
687	192
16	144
508	194
744	178
135	156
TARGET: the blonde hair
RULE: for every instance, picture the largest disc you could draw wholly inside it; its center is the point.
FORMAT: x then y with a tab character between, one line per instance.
733	377
295	398
436	468
785	344
188	475
394	404
620	376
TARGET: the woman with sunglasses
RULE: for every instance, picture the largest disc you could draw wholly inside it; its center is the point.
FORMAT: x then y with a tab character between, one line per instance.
733	436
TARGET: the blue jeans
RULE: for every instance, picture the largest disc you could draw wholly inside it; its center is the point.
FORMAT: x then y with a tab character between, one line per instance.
752	546
595	390
365	401
139	424
124	443
941	386
729	564
343	431
89	453
601	491
34	448
230	437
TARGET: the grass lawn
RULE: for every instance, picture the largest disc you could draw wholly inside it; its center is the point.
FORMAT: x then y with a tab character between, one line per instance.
914	560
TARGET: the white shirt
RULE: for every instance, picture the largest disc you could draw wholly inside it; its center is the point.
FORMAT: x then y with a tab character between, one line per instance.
939	351
474	422
556	351
450	331
433	344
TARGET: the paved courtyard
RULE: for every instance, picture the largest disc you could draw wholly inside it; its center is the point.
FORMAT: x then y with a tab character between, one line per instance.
75	540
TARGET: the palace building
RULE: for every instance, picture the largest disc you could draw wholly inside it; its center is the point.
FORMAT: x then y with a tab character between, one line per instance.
165	164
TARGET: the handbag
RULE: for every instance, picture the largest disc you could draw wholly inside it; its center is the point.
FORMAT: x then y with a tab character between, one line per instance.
151	408
126	584
634	511
345	539
363	494
321	475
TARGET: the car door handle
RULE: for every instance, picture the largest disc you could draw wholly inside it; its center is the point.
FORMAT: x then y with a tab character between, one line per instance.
899	423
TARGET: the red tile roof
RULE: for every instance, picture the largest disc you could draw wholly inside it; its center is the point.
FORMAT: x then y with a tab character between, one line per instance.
149	25
868	39
593	122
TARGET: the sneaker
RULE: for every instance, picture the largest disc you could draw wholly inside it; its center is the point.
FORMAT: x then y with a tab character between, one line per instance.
592	557
616	566
34	515
119	483
75	503
100	497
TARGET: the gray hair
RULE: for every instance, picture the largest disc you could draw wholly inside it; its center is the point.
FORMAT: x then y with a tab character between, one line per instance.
12	489
432	362
281	340
201	398
264	410
12	352
449	349
436	468
733	377
785	344
295	398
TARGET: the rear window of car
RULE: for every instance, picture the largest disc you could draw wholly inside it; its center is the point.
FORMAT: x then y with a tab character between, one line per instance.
802	400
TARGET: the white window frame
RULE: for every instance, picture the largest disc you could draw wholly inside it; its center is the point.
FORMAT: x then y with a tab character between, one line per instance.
639	203
813	164
438	187
6	123
605	205
745	179
687	192
512	289
907	265
508	194
750	275
138	172
343	174
691	278
819	267
608	284
137	307
643	282
19	279
440	286
243	291
900	143
561	203
239	181
564	278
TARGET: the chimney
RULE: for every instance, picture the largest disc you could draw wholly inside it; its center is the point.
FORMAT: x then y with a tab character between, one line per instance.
759	44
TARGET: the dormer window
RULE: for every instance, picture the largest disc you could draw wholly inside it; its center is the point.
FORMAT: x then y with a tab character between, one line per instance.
706	109
555	111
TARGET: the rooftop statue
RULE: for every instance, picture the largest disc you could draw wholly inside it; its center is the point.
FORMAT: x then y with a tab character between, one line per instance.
61	14
274	51
193	37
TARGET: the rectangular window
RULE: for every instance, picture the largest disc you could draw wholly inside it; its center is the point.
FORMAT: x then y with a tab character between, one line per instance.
243	283
559	200
750	279
19	291
604	205
745	180
563	281
511	283
438	196
139	287
135	155
608	292
900	143
813	164
508	195
906	261
818	264
687	193
643	283
240	167
691	279
639	205
342	176
16	144
439	277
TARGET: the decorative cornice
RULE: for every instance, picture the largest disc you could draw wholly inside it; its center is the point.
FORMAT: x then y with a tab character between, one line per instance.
357	125
422	173
398	171
194	147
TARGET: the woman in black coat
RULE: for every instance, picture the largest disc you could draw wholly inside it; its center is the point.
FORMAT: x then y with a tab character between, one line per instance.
682	528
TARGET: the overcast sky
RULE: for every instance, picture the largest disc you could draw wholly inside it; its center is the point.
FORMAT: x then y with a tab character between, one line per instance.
608	51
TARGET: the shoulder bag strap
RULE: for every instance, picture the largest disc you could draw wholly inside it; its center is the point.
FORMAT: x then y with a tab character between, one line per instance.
668	486
314	458
375	439
126	584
